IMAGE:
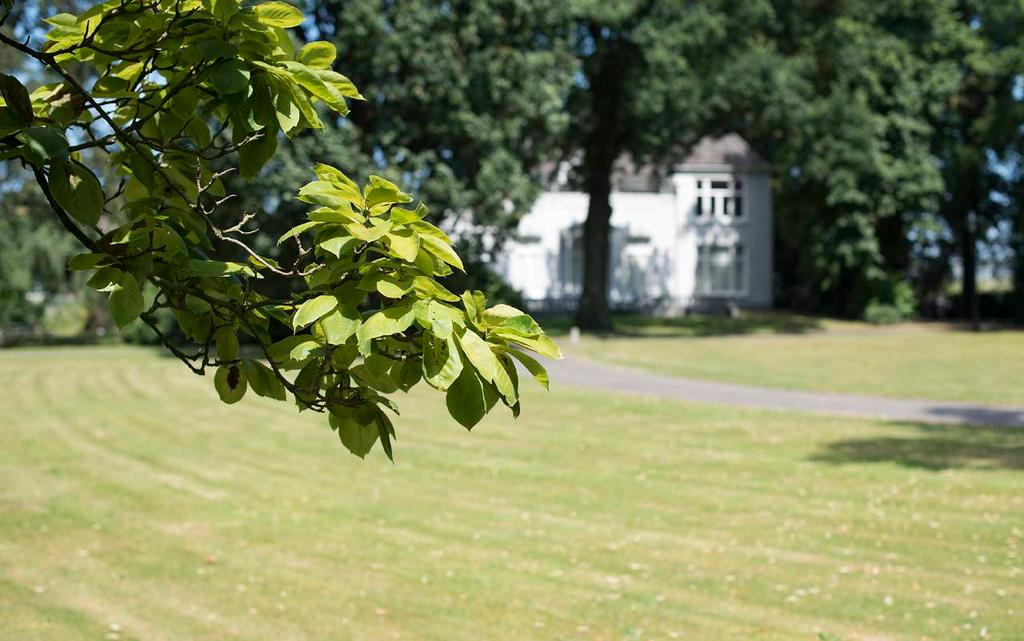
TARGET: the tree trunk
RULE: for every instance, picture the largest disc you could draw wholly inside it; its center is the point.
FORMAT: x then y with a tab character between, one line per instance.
593	312
1018	268
969	267
602	147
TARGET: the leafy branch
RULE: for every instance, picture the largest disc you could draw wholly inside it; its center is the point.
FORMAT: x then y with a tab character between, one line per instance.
177	95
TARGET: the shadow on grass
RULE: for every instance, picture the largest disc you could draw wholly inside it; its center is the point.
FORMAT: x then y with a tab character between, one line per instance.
639	326
934	447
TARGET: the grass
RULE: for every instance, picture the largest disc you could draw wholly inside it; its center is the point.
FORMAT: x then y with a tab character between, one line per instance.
135	506
927	361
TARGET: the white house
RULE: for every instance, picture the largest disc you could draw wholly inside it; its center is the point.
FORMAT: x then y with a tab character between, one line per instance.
700	238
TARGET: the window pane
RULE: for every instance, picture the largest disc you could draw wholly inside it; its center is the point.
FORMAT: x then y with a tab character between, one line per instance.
700	205
719	184
720	269
701	276
712	199
737	207
700	184
726	210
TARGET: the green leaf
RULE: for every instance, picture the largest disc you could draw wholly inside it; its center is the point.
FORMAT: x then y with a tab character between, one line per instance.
16	96
339	180
309	80
338	242
343	214
263	381
279	14
370	234
442	250
197	305
327	194
43	143
216	268
387	322
468	399
340	324
227	344
84	262
317	54
391	287
253	155
294	350
339	83
401	216
375	374
506	381
126	301
442	363
288	113
495	315
296	230
522	324
532	365
356	427
77	191
384	192
479	354
430	288
9	123
384	430
229	77
542	344
404	243
230	383
313	309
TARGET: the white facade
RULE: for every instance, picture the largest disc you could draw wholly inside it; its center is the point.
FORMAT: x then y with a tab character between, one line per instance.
704	239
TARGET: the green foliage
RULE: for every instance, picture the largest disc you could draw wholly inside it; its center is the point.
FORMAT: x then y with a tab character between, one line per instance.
33	252
180	93
893	302
469	101
883	314
875	115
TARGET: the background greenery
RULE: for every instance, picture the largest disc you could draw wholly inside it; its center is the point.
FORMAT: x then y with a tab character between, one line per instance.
894	129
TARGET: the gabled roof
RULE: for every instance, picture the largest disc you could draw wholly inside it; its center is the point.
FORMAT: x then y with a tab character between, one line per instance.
728	152
724	154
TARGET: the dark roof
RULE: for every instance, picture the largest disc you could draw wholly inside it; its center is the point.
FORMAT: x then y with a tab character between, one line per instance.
723	154
729	150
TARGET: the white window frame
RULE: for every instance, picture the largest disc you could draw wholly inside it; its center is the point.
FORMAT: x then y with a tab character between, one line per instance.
732	292
708	197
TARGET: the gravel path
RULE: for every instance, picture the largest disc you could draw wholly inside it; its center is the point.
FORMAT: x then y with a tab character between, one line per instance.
579	372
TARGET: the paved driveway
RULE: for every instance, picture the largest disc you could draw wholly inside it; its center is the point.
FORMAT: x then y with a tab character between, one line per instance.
580	372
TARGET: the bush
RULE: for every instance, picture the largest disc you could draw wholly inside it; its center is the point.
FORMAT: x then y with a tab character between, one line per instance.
65	317
882	314
893	303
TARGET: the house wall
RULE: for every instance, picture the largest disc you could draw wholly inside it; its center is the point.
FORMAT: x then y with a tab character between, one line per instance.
753	230
642	246
654	245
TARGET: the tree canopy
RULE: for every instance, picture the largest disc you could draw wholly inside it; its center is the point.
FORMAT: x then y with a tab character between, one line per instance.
646	66
178	94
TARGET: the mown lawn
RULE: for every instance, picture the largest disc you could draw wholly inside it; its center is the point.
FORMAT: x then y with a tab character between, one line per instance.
134	506
793	352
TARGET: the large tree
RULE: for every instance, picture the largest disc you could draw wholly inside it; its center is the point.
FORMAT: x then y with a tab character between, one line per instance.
978	130
645	68
176	95
840	97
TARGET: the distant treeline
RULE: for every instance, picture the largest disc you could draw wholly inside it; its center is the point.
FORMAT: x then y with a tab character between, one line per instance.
895	131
